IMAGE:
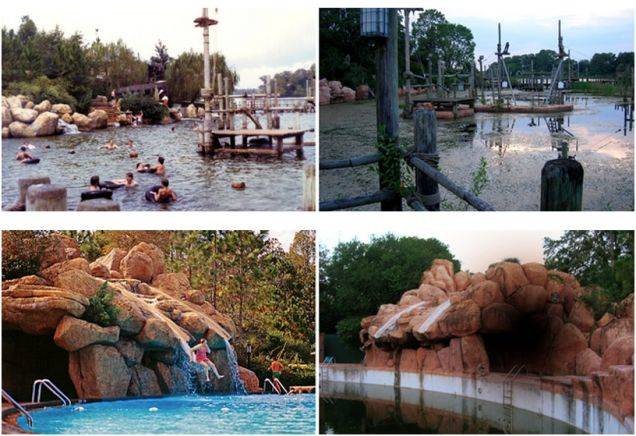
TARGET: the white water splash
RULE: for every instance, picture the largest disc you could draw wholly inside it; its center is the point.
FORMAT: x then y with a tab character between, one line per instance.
237	384
391	323
69	129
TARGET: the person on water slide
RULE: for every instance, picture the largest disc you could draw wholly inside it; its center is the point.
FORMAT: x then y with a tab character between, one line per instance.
201	351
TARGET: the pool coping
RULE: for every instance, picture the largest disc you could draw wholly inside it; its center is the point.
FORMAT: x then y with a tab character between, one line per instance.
531	391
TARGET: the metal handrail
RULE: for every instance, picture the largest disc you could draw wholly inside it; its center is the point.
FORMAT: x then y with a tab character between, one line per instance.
22	410
274	386
51	387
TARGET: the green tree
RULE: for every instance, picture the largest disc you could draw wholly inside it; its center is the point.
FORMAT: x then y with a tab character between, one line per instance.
602	259
159	62
603	64
184	75
356	278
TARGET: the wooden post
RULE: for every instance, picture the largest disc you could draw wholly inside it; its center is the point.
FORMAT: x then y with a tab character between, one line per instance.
429	79
279	146
406	113
300	153
266	103
46	197
387	108
219	80
471	80
499	54
425	125
309	187
206	94
562	185
481	79
226	103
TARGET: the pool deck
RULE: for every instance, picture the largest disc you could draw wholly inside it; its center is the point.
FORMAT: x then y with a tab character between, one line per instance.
277	135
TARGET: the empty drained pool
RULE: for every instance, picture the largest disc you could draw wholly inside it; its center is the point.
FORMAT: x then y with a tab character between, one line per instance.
255	414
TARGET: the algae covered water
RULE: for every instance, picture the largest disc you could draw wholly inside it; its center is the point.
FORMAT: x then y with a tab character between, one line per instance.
201	183
513	147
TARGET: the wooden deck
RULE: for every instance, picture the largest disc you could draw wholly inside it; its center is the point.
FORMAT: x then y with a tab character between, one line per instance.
276	136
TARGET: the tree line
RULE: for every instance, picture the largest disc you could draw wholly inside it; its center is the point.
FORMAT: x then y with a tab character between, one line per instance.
266	290
66	69
291	83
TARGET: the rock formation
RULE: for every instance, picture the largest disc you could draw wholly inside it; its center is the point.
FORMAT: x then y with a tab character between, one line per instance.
512	316
145	352
333	92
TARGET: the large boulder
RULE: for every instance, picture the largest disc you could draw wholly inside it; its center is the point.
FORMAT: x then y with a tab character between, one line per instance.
154	253
17	129
83	123
509	275
51	273
335	88
130	350
61	109
195	323
528	298
43	106
143	382
156	334
78	281
250	380
348	94
5	132
37	310
44	125
581	317
567	344
602	338
474	356
362	92
99	371
195	296
499	318
113	259
172	379
137	265
173	283
100	270
24	115
99	119
131	317
536	273
587	362
58	249
26	280
485	293
7	119
73	334
461	319
324	95
16	101
619	352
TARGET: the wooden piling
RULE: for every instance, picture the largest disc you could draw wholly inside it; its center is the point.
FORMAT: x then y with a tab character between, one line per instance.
406	113
46	197
387	110
309	187
425	125
562	185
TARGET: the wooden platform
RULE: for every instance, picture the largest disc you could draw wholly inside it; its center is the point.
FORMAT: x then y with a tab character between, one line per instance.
272	135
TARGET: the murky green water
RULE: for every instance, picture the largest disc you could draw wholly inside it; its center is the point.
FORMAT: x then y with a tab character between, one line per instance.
514	146
347	408
201	183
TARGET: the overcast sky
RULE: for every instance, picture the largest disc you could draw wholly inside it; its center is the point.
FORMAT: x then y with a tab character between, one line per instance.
475	249
587	27
255	41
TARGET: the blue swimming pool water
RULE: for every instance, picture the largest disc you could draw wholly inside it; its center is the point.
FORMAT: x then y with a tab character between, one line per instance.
255	414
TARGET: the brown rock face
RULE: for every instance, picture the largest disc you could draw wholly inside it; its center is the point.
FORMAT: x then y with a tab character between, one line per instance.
51	273
619	352
99	371
97	269
250	380
536	273
154	253
195	296
509	275
377	358
143	382
195	323
587	362
485	293
172	380
157	335
137	265
528	298
581	317
130	351
59	248
428	360
79	281
37	310
173	283
461	319
567	344
73	334
462	281
131	318
602	337
112	260
474	356
26	280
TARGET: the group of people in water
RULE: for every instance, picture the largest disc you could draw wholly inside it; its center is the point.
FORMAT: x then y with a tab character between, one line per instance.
161	193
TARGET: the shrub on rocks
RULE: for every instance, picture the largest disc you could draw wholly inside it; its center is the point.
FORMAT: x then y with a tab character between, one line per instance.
101	310
153	111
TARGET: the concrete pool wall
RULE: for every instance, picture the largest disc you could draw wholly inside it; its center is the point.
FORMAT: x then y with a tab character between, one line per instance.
555	397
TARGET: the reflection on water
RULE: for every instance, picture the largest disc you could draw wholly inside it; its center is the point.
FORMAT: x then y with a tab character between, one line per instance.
514	146
347	408
202	183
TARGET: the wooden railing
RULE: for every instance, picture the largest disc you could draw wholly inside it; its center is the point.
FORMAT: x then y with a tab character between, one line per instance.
423	159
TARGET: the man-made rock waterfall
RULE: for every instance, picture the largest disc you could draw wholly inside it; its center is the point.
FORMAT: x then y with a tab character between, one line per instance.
147	350
512	318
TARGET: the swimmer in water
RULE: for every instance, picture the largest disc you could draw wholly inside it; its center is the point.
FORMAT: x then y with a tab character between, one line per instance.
23	154
201	351
110	145
130	144
142	167
128	182
160	169
94	184
165	194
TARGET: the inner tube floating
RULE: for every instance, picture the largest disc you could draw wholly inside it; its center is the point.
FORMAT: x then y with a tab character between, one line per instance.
109	185
147	170
32	161
238	185
150	195
133	154
102	193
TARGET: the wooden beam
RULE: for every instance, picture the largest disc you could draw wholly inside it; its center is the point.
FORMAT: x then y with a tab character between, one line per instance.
349	163
347	203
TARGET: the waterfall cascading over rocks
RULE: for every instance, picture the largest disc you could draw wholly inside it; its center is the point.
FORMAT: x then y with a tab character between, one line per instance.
237	384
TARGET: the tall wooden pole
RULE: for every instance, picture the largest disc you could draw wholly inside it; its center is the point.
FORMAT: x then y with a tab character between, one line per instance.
207	118
481	78
387	109
407	63
499	62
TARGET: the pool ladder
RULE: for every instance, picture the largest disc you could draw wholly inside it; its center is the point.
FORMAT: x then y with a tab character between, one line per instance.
37	386
274	389
508	408
19	408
